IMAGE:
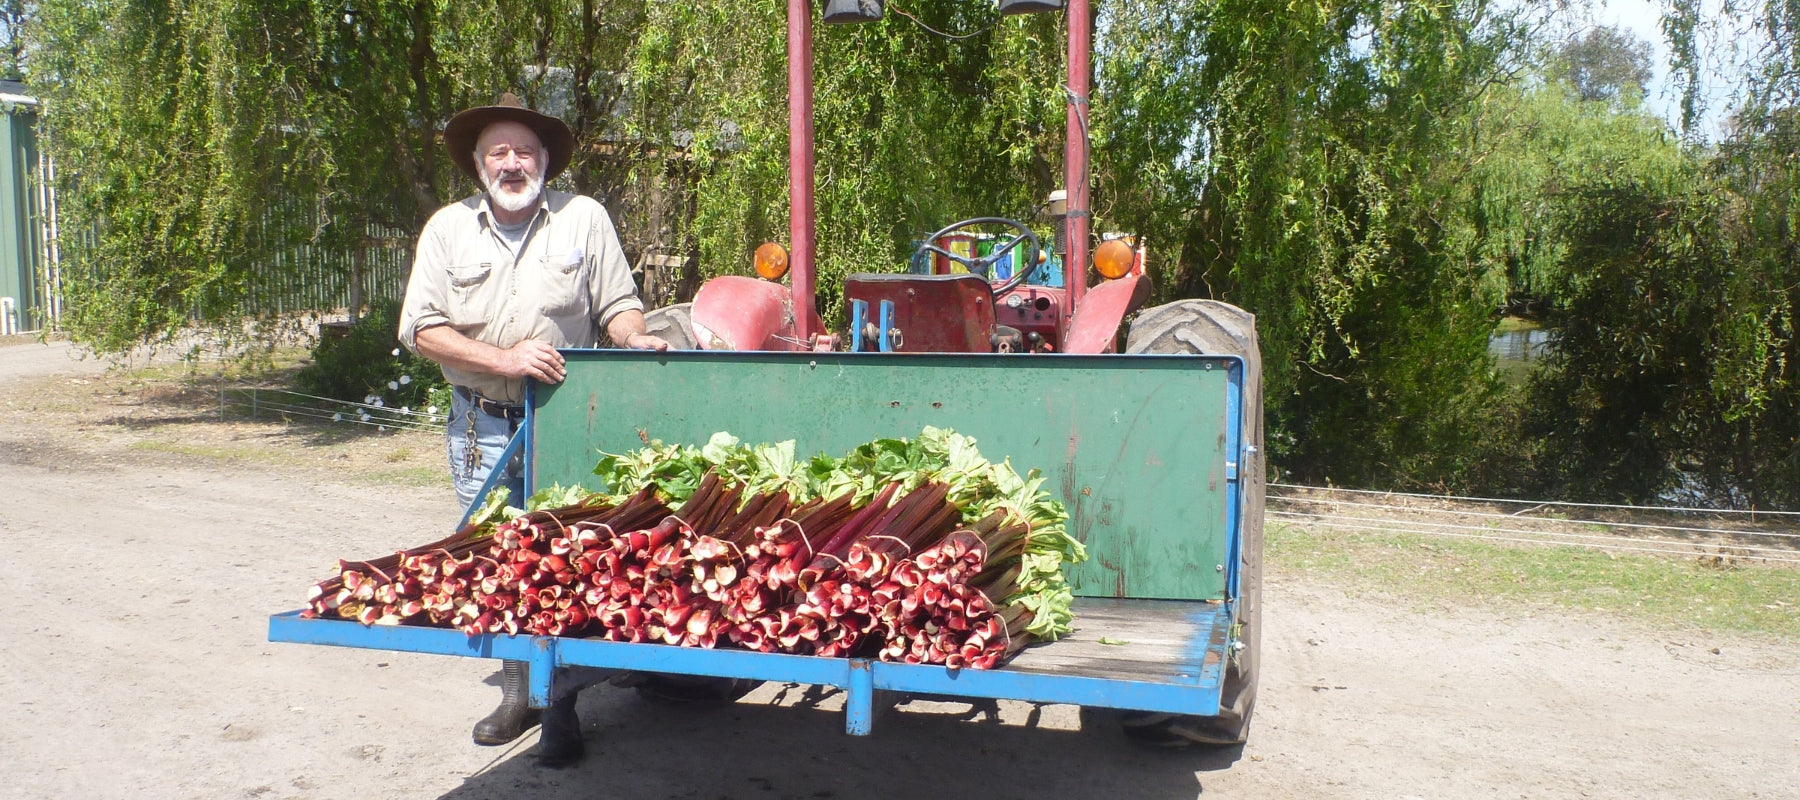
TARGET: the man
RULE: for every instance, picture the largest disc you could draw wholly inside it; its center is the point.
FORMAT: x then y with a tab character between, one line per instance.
502	279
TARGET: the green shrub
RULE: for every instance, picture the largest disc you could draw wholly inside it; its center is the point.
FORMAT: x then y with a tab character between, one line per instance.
368	363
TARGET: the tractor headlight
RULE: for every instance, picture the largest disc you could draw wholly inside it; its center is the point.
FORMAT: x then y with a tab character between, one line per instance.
1113	259
771	261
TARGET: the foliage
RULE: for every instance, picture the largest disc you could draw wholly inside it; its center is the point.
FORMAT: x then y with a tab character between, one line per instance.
1607	63
368	361
1673	374
913	130
1309	162
1371	179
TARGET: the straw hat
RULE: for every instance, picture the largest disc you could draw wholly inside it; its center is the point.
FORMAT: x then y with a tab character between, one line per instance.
466	127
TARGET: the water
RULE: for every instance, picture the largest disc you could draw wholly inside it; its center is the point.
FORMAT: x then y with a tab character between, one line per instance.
1519	344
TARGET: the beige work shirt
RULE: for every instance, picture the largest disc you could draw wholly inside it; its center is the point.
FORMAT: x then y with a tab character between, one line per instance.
569	280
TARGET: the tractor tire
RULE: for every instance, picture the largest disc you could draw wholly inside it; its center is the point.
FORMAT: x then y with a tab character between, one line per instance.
1209	327
674	324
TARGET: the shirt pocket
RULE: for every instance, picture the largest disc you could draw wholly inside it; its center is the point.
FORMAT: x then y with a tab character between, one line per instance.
565	283
469	294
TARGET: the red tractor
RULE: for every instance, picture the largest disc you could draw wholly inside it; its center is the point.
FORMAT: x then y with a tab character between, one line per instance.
999	298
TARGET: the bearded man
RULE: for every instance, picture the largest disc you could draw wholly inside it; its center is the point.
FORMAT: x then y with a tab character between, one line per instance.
501	280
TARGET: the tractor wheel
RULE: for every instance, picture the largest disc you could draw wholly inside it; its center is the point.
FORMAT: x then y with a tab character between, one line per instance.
1209	327
674	324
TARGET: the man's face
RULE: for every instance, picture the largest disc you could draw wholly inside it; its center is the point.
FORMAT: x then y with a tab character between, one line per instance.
512	164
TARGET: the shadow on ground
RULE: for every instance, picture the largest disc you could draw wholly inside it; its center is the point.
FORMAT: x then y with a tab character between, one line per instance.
789	742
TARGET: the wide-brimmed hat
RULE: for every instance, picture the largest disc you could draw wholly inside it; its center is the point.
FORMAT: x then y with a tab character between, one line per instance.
466	127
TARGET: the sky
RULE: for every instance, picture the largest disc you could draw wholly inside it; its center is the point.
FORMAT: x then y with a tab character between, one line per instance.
1642	17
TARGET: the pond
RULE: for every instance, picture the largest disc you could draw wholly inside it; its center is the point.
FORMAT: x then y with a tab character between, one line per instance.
1515	344
1519	342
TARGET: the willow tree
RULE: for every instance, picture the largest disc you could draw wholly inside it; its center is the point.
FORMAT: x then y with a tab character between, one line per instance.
1310	162
214	153
1677	368
914	128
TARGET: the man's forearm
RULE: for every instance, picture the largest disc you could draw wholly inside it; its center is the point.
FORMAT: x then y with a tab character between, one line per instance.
443	344
625	325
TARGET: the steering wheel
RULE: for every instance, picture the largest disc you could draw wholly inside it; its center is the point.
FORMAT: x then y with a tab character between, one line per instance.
980	264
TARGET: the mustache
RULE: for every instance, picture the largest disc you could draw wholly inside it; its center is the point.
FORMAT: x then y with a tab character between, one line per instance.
511	174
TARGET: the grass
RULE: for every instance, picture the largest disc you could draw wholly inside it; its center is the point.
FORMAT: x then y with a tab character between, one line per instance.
416	476
1740	597
209	452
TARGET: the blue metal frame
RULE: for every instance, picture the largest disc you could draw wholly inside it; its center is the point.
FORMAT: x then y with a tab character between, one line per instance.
1194	687
1193	690
887	326
859	314
1234	479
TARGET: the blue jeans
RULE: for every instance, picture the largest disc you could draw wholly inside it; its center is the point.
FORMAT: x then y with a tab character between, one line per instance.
472	458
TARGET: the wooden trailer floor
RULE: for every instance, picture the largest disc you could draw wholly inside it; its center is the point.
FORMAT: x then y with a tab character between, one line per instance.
1157	641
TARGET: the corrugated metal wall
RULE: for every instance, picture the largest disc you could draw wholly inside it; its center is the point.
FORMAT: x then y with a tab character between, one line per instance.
23	277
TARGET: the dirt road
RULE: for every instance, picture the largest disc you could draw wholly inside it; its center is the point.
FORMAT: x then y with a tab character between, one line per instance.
135	665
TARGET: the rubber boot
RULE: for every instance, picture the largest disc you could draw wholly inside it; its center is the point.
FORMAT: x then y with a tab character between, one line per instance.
514	716
559	740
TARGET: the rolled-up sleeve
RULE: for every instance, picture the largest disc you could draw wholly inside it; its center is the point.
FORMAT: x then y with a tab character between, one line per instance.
426	304
613	290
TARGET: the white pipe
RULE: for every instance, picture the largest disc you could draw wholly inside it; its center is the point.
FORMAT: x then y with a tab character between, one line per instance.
53	289
43	220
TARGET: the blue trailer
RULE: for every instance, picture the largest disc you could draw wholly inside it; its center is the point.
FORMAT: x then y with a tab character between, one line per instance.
1157	458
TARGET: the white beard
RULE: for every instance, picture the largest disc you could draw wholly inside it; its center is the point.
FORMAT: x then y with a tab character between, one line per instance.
513	202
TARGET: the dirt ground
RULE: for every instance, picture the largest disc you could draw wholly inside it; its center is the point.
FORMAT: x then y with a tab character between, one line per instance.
143	545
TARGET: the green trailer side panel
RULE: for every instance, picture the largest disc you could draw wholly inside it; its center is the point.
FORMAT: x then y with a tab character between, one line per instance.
1136	446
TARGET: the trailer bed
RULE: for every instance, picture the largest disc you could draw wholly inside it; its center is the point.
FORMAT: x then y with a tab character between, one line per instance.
1159	655
1143	451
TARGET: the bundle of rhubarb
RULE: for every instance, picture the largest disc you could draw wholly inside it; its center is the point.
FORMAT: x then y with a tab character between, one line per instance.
917	551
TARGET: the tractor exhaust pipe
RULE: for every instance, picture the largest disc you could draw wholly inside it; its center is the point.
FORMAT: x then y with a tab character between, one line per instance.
800	167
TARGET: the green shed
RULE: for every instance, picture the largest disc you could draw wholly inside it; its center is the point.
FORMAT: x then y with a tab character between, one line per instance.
26	266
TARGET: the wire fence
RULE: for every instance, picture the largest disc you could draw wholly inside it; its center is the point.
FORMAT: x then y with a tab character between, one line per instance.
258	403
1734	534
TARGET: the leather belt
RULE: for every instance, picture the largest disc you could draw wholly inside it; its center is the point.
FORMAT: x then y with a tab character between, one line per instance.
491	408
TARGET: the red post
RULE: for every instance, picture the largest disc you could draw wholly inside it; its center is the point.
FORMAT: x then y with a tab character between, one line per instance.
800	165
1075	149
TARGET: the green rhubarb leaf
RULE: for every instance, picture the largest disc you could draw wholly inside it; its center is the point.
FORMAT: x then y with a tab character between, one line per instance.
492	508
556	496
718	449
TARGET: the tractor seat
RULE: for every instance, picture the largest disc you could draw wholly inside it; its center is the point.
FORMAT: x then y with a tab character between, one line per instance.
935	313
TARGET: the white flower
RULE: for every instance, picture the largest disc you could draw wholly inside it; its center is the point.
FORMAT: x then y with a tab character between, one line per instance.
406	409
378	403
392	385
338	417
382	428
396	351
405	379
364	416
431	410
370	399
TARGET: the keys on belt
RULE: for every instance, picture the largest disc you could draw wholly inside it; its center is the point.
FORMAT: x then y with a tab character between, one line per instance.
491	408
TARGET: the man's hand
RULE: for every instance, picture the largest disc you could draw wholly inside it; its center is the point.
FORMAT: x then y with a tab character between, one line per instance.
626	329
533	359
644	341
